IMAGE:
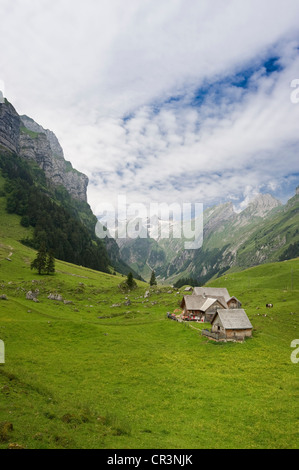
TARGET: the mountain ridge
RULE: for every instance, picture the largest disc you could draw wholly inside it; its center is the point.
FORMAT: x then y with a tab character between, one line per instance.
225	236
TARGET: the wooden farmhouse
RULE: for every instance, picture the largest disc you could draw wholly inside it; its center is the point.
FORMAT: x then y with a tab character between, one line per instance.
231	324
188	289
200	308
232	302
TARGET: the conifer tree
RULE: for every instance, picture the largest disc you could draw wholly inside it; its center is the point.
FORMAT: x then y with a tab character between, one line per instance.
130	280
153	281
50	263
40	261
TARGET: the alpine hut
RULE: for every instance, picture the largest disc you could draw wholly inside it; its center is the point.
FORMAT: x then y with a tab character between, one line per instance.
231	324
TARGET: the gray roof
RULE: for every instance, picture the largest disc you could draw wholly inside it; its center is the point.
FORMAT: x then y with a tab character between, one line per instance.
193	302
211	300
233	319
233	297
199	302
212	292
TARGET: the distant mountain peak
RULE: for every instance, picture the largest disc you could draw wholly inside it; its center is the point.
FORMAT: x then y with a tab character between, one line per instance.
261	205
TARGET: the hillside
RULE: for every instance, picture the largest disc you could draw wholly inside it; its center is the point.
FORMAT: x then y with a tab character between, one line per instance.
100	372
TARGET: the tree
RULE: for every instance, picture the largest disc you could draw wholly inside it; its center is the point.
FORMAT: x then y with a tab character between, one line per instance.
153	281
44	262
50	263
40	261
130	280
25	222
129	284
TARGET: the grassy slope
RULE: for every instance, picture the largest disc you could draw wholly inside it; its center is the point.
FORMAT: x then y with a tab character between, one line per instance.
135	379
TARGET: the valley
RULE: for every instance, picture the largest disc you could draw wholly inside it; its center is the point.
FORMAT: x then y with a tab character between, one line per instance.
89	375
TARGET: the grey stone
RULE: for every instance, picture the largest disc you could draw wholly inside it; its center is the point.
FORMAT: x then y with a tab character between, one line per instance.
57	297
32	295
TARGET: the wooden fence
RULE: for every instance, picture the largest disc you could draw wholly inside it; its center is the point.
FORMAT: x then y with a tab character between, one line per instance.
209	334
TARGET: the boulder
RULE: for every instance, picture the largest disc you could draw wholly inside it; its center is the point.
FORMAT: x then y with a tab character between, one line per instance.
57	297
32	295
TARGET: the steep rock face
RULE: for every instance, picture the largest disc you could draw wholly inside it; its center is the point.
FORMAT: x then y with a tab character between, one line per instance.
9	127
31	141
51	137
37	149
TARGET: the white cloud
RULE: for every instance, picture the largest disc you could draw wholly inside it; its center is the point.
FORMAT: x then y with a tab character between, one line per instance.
79	68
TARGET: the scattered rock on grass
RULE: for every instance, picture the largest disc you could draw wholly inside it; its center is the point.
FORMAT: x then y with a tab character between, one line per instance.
57	297
32	295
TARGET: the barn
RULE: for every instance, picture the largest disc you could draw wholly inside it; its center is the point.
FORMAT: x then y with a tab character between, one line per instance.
216	292
212	292
233	302
200	308
231	324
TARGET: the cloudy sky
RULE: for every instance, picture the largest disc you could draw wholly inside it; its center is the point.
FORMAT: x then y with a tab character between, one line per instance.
161	100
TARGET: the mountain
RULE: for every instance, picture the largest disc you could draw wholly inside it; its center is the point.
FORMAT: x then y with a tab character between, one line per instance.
264	231
26	138
50	194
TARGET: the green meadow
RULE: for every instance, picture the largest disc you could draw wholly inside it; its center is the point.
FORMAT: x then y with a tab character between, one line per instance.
101	372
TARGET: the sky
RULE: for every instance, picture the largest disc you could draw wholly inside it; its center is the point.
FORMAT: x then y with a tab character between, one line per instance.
161	100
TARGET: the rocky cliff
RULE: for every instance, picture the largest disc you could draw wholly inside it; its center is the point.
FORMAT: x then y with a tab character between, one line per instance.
10	123
23	136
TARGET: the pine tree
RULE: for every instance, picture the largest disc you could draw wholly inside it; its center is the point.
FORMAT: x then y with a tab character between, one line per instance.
153	281
130	280
40	261
50	263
